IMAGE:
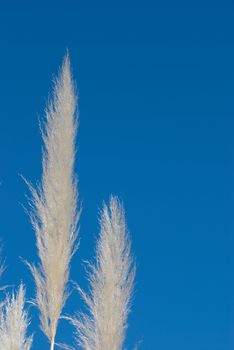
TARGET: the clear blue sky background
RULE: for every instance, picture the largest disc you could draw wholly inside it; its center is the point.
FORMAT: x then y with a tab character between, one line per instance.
155	82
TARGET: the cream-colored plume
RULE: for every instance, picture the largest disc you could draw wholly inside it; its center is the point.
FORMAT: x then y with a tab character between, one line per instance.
111	283
54	214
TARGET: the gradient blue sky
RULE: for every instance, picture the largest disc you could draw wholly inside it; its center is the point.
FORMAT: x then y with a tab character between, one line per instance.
155	81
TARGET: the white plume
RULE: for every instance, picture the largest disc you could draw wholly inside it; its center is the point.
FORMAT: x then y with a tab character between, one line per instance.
14	323
111	283
54	214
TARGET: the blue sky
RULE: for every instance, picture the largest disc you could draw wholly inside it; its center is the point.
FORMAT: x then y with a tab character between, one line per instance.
155	81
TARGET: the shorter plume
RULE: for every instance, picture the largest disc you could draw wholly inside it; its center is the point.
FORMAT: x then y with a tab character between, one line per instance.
14	322
111	283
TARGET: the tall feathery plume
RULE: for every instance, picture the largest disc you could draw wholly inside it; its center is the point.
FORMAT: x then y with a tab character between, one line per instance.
54	205
14	323
111	283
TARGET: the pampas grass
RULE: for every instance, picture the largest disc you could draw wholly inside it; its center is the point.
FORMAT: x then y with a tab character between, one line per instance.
14	322
111	282
54	205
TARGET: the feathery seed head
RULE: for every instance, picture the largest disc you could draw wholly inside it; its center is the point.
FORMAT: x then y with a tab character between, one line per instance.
54	216
111	283
14	322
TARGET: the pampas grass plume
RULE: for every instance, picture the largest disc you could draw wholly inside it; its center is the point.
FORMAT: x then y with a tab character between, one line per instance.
111	283
54	215
14	322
